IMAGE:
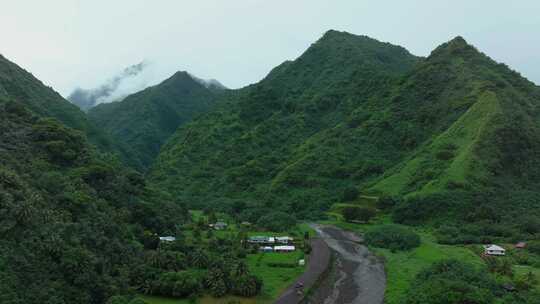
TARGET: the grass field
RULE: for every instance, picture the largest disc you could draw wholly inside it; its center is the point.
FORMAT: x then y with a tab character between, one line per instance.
275	279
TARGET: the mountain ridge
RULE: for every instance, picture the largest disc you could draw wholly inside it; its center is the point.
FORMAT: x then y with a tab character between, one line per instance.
144	120
352	112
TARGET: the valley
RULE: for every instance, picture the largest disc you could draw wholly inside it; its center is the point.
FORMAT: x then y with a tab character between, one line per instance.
355	173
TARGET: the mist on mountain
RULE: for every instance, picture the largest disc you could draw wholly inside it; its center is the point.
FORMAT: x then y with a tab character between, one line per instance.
130	80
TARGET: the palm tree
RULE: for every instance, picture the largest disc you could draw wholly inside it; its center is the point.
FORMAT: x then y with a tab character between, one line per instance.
241	269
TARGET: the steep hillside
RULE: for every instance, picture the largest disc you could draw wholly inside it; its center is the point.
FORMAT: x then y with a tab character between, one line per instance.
18	84
450	133
143	121
72	220
244	148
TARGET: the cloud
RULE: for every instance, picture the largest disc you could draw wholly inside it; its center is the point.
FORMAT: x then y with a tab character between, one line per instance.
130	80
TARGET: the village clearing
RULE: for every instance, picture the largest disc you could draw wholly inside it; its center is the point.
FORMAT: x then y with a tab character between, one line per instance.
275	279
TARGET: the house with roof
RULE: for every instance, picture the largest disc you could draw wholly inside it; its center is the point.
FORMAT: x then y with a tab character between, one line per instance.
257	239
268	240
494	250
266	249
521	245
219	225
284	239
286	248
167	238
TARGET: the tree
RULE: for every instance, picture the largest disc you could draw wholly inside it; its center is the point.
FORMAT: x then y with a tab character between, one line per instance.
212	219
349	194
354	213
246	285
241	269
452	282
530	224
386	202
199	259
393	237
215	282
277	221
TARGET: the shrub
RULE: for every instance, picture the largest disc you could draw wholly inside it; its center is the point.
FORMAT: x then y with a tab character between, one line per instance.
281	264
354	213
393	237
452	282
277	221
534	247
349	194
388	202
445	155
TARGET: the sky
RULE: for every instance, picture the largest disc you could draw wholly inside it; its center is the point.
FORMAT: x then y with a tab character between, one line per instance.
70	43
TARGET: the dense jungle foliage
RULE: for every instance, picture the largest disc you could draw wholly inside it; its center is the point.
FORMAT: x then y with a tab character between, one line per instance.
18	84
72	219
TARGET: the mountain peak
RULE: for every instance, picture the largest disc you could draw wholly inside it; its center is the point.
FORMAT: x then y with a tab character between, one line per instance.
456	47
181	75
333	36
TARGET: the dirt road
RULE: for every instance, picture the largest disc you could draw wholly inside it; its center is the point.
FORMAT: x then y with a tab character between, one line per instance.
356	277
318	262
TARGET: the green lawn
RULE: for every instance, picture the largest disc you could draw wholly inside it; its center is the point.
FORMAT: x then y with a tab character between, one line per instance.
275	279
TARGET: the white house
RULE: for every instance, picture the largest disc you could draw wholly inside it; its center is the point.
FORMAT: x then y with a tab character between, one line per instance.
167	238
266	249
283	239
494	250
220	225
284	248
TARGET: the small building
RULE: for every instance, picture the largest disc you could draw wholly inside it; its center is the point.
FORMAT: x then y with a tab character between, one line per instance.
167	238
494	250
286	248
257	239
521	245
301	262
284	239
509	287
220	226
266	249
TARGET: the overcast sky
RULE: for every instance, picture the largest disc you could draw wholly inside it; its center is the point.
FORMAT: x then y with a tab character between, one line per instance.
70	43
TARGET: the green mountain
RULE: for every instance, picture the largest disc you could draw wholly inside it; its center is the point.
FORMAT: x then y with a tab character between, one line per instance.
453	134
18	84
263	140
143	121
72	220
